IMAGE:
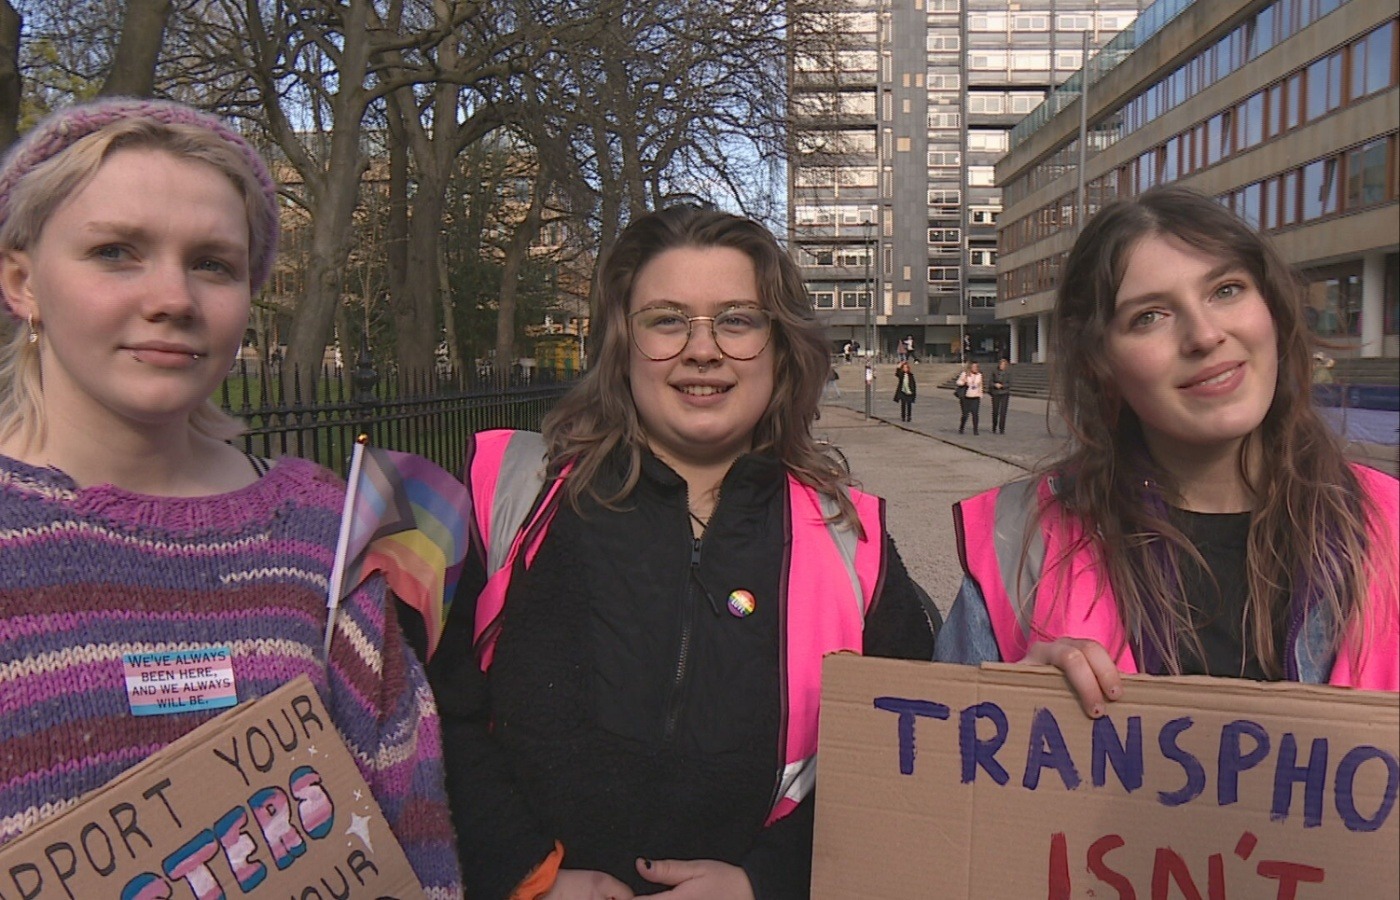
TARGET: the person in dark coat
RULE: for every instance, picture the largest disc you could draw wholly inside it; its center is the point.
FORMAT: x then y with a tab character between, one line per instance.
619	717
1001	395
905	390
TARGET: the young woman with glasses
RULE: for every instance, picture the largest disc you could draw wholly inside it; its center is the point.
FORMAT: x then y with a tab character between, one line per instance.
630	690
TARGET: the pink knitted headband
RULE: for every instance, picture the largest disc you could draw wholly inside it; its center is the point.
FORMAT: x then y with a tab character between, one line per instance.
60	130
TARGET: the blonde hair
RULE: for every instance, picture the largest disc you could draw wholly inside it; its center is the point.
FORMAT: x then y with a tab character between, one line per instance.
40	190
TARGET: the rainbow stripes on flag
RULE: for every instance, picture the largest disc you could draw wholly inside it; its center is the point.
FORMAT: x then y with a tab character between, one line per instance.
407	517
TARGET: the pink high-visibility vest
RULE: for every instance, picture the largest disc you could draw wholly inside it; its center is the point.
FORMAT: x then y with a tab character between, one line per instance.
1072	598
832	576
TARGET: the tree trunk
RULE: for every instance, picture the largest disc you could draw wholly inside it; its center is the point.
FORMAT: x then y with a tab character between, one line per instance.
516	252
10	85
133	71
415	311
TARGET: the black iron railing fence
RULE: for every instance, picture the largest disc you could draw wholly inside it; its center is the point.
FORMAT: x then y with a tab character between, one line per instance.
429	413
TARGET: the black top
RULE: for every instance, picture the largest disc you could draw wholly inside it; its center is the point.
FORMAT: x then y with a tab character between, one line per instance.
1218	606
628	713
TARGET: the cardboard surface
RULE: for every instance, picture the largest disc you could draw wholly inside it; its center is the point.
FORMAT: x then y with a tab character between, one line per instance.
264	801
943	781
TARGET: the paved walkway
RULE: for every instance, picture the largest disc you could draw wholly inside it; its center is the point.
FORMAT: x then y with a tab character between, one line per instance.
923	467
1029	439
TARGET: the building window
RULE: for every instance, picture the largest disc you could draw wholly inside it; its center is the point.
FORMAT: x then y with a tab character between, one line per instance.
1324	86
986	102
944	159
823	299
942	196
1251	121
981	176
940	42
981	300
987	61
855	299
950	237
982	257
984	215
944	274
1372	61
1366	174
1024	102
991	141
1319	189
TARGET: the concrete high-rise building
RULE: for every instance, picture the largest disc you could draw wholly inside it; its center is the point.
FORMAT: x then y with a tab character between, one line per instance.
899	112
1286	110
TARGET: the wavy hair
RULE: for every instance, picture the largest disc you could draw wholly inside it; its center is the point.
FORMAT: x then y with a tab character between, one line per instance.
598	416
1308	540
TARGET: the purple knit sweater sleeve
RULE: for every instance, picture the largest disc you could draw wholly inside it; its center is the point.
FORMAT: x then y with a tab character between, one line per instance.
87	575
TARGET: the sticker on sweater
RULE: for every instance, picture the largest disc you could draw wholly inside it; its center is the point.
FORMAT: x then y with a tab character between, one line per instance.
163	682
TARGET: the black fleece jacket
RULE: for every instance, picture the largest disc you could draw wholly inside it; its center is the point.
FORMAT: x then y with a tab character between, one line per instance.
628	713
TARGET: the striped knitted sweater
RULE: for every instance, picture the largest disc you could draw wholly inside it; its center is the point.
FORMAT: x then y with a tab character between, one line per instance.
87	575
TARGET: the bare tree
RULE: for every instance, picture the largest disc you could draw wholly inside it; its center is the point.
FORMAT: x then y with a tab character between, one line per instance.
11	88
133	71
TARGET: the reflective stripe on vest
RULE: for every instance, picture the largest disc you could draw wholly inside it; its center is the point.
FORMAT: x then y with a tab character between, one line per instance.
830	580
1072	598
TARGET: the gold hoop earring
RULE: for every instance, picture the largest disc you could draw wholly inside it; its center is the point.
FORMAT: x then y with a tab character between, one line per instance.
33	333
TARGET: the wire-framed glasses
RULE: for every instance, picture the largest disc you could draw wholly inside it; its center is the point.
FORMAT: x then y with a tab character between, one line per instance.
661	332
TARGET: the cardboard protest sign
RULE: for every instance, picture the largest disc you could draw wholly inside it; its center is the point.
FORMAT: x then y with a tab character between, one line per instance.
264	801
951	781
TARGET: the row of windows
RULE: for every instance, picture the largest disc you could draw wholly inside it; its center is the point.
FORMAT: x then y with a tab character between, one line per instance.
824	257
1258	34
1009	23
1353	72
827	105
998	103
983	60
1350	74
1270	26
1358	70
1346	182
834	215
1360	177
849	299
834	176
835	142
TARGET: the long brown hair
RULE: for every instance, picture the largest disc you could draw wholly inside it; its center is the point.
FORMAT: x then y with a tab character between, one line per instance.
598	416
1307	537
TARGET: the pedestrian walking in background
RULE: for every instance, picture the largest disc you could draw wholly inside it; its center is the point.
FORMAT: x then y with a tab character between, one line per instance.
971	400
1322	368
133	236
833	385
1001	395
1205	519
905	391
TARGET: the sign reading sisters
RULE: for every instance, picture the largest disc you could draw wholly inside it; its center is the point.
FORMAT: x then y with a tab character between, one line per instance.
953	781
264	801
